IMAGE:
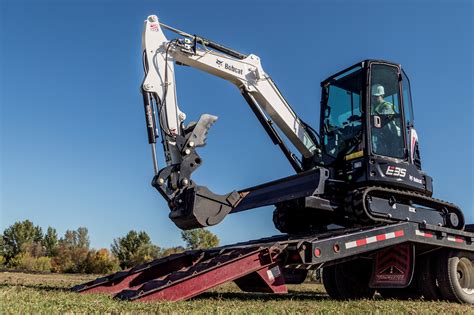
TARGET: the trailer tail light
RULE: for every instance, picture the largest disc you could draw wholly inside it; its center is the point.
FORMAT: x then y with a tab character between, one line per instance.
317	252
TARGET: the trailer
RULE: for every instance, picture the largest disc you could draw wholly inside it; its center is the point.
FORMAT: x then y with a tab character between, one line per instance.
402	260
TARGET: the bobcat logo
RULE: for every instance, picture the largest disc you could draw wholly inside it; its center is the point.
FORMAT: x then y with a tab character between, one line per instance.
219	62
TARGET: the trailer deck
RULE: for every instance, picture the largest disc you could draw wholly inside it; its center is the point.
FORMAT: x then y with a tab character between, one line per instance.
265	265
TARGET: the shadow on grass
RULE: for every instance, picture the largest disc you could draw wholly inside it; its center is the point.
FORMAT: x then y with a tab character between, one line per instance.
242	296
49	288
246	296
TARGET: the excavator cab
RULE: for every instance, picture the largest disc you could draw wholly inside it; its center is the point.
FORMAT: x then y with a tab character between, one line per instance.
367	128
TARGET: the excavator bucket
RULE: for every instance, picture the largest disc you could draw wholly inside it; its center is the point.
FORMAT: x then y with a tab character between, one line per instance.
199	207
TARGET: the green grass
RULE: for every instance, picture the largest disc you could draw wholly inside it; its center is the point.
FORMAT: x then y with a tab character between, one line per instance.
33	293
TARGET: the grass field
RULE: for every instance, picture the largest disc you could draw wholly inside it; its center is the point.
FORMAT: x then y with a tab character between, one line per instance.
33	293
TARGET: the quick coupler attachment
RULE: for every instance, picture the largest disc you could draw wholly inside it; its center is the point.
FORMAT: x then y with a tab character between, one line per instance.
198	207
192	206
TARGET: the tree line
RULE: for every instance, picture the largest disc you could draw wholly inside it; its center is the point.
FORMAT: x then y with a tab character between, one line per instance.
24	246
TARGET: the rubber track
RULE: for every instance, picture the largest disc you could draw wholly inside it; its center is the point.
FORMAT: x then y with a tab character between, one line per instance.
417	198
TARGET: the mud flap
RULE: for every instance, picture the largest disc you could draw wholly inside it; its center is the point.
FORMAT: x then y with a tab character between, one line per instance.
393	267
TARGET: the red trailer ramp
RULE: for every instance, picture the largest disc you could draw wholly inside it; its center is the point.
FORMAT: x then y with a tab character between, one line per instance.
185	275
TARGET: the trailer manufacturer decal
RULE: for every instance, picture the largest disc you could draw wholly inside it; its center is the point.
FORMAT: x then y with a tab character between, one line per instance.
396	171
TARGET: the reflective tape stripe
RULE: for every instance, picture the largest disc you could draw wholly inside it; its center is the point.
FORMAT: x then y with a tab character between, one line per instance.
455	239
424	234
351	244
371	239
374	239
399	233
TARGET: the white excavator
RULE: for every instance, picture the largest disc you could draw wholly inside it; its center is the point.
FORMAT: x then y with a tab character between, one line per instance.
355	171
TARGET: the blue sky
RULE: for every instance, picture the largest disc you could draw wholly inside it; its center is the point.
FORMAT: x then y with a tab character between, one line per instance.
73	145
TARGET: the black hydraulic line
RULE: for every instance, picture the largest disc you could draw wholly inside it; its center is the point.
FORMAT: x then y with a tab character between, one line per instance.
219	47
272	133
206	42
149	116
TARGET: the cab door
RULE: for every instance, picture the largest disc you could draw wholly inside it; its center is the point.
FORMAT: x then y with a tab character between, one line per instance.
411	135
387	135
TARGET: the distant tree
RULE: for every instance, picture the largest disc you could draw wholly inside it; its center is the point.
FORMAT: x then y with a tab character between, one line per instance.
2	257
199	239
78	238
2	252
134	248
33	249
101	262
69	239
63	260
72	251
172	250
50	242
24	261
18	235
144	253
83	238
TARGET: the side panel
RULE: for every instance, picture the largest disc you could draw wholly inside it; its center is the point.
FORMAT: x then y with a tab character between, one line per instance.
391	172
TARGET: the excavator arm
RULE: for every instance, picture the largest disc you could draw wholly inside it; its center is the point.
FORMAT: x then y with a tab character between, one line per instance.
193	205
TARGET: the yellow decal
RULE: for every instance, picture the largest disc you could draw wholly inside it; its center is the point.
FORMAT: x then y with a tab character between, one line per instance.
354	155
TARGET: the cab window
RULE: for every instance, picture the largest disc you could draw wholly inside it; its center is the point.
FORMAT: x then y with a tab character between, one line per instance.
386	123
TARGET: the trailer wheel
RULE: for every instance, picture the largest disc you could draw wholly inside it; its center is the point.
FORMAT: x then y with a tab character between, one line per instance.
329	282
426	279
352	280
455	274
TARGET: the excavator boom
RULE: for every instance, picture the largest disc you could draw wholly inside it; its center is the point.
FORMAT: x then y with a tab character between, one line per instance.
192	205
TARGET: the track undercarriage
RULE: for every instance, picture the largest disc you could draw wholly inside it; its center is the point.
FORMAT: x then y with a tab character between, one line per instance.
368	206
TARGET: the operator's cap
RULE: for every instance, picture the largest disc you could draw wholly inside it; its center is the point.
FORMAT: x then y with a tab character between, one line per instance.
378	90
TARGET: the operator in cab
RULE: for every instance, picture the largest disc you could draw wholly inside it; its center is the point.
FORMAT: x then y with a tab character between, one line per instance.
387	135
380	105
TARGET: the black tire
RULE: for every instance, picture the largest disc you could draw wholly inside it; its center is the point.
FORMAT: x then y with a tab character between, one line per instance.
352	280
329	282
295	276
426	278
455	274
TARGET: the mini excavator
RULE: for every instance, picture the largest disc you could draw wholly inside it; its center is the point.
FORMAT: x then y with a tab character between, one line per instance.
362	167
359	207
